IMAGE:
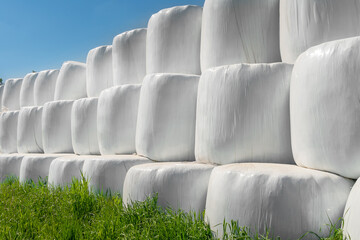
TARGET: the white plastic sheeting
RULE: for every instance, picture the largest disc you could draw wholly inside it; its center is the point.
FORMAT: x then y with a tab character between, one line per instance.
129	57
64	169
8	131
166	120
243	114
71	83
11	94
10	165
324	107
107	173
352	213
29	130
239	31
99	70
84	126
27	90
306	23
286	199
177	185
173	41
56	127
117	116
44	88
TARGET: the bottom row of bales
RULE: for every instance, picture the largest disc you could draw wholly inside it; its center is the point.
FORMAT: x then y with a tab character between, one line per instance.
232	116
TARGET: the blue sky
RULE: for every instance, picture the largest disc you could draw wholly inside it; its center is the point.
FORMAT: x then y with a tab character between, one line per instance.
42	34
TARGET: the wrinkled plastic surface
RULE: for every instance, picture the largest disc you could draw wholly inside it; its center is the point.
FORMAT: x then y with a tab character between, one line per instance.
71	83
10	165
84	126
64	169
8	131
56	127
99	70
177	185
352	213
239	31
325	110
117	116
44	88
166	120
243	114
129	57
29	130
27	90
306	23
287	199
11	94
173	41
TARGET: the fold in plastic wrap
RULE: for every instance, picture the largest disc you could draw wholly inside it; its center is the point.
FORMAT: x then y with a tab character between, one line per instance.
29	131
352	213
129	57
177	185
44	88
10	165
325	109
116	119
173	41
306	23
56	127
27	90
71	83
99	70
166	120
243	114
11	94
8	131
239	31
63	170
285	199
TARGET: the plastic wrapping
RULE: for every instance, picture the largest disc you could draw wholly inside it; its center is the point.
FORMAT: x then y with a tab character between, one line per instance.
177	185
44	88
8	131
166	120
287	200
173	41
71	83
11	94
324	107
27	90
99	70
64	169
243	114
84	126
306	23
352	213
10	165
107	173
117	116
56	127
239	31
129	57
29	130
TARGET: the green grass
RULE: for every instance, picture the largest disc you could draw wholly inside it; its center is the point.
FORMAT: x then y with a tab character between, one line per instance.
35	211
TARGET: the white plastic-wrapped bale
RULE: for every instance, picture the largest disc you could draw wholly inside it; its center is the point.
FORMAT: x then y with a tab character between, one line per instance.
107	173
306	23
352	214
71	83
1	96
243	114
29	130
285	199
177	185
166	119
27	90
129	57
8	131
56	127
99	70
84	126
10	165
11	94
324	108
44	88
63	170
117	116
173	41
239	31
